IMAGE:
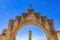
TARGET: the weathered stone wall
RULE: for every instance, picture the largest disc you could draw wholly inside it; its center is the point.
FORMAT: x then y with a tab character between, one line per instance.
58	34
30	17
2	38
5	35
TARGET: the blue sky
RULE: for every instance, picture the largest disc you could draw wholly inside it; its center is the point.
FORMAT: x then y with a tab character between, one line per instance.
9	9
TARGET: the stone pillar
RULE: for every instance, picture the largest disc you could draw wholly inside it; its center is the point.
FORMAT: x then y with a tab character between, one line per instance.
30	35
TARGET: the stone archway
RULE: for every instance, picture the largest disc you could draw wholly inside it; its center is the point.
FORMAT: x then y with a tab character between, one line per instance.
31	17
41	21
46	32
36	32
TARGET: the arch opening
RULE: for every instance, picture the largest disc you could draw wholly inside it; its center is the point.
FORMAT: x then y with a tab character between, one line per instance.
37	33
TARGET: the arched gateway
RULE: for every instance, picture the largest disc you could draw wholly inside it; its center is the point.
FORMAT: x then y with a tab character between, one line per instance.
30	17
